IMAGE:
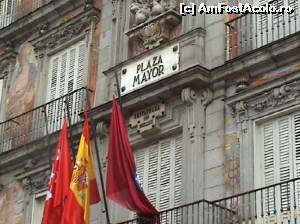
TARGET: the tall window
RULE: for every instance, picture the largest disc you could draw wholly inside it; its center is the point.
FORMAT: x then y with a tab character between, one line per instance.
278	160
160	168
66	72
38	208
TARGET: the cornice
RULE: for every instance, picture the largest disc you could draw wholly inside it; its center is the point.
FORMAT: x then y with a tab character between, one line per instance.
30	24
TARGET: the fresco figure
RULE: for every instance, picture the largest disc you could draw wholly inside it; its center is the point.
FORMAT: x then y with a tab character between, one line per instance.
21	94
12	204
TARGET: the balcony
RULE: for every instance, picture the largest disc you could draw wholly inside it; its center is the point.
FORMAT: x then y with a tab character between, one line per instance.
37	123
12	10
248	32
278	203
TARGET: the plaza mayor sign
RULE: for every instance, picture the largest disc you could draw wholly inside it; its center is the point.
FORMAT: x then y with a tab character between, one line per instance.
150	69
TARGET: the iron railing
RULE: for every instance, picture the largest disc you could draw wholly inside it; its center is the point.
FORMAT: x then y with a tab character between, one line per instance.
275	204
33	125
200	212
12	10
248	32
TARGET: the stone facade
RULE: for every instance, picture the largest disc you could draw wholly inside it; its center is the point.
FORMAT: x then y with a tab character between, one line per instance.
206	111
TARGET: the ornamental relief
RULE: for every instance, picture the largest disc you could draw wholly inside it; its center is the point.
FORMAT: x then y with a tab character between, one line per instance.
62	36
276	97
152	24
143	10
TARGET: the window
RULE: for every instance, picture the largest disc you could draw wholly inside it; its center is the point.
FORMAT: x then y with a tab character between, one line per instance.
160	168
278	160
6	12
38	208
271	27
66	72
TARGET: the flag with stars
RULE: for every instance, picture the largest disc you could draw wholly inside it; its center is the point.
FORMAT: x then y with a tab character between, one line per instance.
83	187
59	180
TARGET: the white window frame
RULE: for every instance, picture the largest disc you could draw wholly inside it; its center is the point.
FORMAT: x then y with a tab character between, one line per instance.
38	196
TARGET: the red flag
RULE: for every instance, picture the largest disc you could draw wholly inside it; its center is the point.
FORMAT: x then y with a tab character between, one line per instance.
59	180
83	190
122	183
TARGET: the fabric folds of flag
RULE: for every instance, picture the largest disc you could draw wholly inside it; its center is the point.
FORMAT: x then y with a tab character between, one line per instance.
122	183
83	187
59	180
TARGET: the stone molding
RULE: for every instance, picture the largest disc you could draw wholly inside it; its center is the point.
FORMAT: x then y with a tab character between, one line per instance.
266	101
62	35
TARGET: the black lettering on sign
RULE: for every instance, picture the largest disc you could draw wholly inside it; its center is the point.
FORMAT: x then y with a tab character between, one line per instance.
136	80
148	70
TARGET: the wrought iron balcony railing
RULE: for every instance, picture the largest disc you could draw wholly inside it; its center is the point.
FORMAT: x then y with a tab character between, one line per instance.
248	32
12	10
278	203
200	212
274	204
33	125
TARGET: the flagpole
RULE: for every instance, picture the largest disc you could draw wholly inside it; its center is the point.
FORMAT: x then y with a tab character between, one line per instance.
48	138
97	155
119	92
70	129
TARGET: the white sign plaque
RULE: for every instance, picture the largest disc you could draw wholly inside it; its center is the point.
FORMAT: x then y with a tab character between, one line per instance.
150	69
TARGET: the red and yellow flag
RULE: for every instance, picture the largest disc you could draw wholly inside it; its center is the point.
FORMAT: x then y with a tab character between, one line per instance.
83	186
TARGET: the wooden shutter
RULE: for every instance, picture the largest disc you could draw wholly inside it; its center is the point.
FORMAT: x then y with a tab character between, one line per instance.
160	168
297	153
66	72
269	164
277	162
285	158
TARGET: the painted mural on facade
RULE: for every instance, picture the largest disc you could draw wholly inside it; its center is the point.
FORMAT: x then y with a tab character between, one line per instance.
22	89
274	74
231	153
12	204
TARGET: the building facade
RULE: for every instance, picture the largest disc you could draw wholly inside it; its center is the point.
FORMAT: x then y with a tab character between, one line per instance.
211	103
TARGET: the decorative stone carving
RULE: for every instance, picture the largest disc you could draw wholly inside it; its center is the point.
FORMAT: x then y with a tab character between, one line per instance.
155	31
43	28
276	97
36	181
102	128
145	9
240	111
88	4
242	83
7	61
206	97
31	163
63	35
188	96
146	119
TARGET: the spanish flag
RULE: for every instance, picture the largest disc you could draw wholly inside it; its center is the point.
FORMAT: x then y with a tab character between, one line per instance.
83	186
